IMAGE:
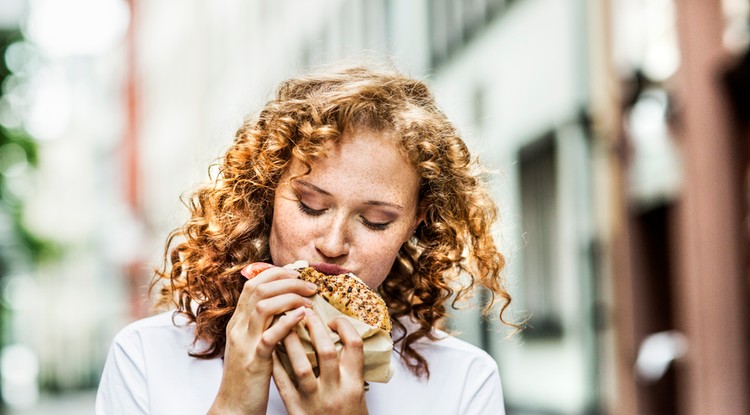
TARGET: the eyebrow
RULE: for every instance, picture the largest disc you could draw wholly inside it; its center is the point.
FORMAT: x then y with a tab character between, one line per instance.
327	193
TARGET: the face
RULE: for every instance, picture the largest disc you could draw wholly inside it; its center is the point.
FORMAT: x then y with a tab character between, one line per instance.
352	212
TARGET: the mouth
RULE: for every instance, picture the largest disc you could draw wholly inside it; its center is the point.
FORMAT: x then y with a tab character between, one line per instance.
330	269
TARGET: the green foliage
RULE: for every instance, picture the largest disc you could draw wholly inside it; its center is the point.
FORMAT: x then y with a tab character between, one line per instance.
22	139
21	245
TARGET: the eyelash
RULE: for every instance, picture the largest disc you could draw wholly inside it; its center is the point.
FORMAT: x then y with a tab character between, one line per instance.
375	226
308	210
317	212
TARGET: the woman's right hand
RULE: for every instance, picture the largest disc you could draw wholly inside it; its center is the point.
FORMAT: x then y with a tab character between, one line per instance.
251	339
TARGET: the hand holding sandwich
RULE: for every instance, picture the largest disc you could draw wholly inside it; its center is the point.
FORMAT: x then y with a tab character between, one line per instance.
252	338
339	386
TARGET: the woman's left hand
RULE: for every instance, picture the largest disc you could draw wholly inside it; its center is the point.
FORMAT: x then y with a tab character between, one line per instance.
339	388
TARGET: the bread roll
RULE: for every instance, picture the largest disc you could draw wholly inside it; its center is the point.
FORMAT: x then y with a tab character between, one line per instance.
351	296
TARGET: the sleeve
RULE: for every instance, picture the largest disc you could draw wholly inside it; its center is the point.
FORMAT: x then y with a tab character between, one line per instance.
123	387
484	395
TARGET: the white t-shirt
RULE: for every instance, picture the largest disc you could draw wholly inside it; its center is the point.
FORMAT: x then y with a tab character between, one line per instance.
149	371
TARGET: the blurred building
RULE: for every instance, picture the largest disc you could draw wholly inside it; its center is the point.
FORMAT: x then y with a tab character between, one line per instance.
678	243
616	131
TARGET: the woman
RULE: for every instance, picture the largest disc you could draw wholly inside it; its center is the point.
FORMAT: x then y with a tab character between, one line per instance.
354	171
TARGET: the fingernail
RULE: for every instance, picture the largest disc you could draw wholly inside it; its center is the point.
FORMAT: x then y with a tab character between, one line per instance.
254	269
312	285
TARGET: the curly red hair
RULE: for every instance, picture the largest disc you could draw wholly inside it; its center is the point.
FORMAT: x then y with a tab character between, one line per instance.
231	218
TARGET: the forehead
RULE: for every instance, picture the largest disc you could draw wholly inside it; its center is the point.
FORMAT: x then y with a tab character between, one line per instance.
362	162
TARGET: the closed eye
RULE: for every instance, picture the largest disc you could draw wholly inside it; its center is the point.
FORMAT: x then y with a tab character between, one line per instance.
375	225
308	210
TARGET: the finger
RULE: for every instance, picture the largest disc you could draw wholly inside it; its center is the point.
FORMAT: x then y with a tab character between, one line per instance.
253	320
278	331
303	371
283	286
270	307
255	289
325	349
283	281
284	384
254	269
271	274
352	358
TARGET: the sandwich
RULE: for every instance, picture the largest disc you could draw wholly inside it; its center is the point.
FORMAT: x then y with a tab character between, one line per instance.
345	292
351	296
348	295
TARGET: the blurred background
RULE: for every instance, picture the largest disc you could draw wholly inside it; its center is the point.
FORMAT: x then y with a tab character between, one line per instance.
617	128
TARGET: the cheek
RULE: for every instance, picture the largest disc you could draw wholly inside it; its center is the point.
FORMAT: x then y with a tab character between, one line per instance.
287	233
382	253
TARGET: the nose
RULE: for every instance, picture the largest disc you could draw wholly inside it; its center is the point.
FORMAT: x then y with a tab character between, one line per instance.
333	241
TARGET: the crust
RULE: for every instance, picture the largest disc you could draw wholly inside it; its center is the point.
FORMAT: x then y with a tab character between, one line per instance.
350	296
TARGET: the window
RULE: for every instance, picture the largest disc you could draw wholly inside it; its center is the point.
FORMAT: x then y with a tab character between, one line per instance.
454	23
538	185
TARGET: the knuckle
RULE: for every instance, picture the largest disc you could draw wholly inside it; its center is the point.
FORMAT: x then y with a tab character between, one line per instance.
356	342
233	337
262	307
261	349
261	291
327	353
249	286
266	340
304	374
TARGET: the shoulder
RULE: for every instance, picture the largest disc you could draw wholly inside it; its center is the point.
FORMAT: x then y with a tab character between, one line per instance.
447	346
162	320
463	379
149	360
454	344
165	328
168	320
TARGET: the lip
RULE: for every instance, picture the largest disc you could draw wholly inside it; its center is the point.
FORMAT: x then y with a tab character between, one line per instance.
330	269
